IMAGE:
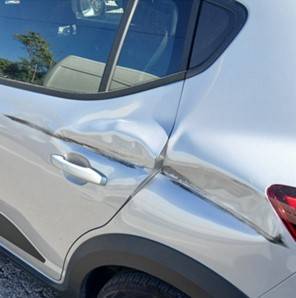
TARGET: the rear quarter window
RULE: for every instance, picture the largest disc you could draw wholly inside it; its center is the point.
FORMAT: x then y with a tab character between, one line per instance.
219	23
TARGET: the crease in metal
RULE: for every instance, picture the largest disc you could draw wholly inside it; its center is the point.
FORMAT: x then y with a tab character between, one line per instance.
69	140
187	182
184	182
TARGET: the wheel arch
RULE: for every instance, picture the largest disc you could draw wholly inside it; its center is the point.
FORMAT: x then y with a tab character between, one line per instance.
145	255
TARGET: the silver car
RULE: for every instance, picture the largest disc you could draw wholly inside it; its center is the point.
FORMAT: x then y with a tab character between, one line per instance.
148	147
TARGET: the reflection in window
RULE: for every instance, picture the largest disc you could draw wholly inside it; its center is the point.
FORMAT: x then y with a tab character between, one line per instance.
65	44
155	43
60	44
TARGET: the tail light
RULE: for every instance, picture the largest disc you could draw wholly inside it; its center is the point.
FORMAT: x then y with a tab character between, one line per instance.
283	200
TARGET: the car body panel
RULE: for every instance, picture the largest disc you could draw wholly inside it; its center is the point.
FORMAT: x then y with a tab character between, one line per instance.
171	215
284	289
121	138
234	138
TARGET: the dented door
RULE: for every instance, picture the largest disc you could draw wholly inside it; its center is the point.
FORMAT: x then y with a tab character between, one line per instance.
121	138
88	101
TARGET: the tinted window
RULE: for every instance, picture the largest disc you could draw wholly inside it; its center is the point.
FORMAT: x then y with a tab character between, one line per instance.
59	44
69	45
219	23
155	42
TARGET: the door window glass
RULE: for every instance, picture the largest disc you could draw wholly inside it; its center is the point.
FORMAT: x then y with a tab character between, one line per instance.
69	45
58	44
154	46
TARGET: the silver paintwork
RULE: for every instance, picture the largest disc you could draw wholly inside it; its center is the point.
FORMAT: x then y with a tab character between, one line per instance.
235	196
285	289
235	133
234	136
121	138
169	214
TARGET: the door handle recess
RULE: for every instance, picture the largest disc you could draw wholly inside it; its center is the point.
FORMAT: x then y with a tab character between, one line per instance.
84	173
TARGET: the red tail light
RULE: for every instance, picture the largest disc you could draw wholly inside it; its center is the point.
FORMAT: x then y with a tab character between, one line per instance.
283	200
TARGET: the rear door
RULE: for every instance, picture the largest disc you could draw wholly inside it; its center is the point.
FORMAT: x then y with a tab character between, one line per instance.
88	96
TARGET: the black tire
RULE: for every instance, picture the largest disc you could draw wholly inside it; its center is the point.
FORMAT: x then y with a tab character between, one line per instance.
138	285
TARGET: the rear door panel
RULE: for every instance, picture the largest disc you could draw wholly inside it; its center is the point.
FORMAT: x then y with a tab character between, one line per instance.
55	57
121	138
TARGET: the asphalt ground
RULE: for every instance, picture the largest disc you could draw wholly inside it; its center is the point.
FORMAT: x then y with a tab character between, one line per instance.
17	283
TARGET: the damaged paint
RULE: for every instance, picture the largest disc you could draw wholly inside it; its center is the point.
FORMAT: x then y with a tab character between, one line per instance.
132	129
226	192
118	144
122	138
224	149
118	139
65	139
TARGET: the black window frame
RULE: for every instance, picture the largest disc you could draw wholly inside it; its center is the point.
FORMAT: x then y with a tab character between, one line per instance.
240	13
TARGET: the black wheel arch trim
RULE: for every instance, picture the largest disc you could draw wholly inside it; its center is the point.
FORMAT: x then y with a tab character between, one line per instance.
156	259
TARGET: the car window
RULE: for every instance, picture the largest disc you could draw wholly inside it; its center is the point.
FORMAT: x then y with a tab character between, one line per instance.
219	23
155	42
67	45
58	44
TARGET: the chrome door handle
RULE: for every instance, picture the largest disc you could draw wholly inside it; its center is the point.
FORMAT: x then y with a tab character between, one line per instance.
85	173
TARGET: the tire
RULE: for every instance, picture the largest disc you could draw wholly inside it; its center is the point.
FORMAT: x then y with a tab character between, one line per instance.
138	285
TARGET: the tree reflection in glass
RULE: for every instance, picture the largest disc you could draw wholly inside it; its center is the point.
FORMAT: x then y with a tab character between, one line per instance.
34	68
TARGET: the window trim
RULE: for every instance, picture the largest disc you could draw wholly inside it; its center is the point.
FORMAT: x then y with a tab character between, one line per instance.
121	34
180	76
